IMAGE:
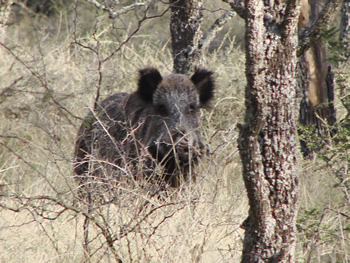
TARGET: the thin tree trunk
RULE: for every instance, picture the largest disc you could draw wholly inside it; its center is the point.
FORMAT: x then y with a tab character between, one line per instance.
186	17
267	140
345	21
316	85
344	34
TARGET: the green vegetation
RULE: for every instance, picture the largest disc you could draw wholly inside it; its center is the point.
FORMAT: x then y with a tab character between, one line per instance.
51	70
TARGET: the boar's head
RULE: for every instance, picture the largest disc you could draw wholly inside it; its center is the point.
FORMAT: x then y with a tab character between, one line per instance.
171	132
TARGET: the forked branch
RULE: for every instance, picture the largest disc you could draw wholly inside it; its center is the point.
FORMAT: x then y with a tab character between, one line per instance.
204	42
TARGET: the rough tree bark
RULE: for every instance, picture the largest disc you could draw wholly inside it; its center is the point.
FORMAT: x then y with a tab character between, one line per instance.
267	140
186	18
344	35
345	21
188	43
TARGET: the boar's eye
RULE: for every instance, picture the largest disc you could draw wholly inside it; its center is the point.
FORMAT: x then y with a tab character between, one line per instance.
162	110
192	107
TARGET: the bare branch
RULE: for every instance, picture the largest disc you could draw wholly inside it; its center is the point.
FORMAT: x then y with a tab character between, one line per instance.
42	82
213	30
28	164
4	90
197	51
237	6
133	33
310	34
114	14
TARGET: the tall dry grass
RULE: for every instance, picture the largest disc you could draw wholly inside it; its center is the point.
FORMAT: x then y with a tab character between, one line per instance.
50	73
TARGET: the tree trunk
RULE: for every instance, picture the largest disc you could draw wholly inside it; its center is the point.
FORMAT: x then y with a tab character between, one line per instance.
267	140
345	21
344	34
186	17
315	84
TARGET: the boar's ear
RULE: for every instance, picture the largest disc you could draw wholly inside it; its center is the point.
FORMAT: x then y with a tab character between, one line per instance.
149	80
204	81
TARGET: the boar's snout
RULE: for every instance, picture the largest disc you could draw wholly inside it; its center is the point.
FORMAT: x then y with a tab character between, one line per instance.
187	153
181	147
188	146
185	147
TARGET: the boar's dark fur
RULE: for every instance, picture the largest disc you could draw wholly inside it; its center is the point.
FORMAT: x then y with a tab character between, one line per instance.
159	120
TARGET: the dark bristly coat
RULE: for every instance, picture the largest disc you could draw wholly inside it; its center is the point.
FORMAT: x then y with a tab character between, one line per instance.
155	127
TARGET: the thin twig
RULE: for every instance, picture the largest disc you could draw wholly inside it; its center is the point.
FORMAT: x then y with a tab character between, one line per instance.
42	82
4	90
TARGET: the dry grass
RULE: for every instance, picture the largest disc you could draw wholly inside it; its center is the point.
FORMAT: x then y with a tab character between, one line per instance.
48	82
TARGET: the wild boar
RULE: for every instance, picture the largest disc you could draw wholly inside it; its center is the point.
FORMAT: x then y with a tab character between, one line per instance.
158	124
